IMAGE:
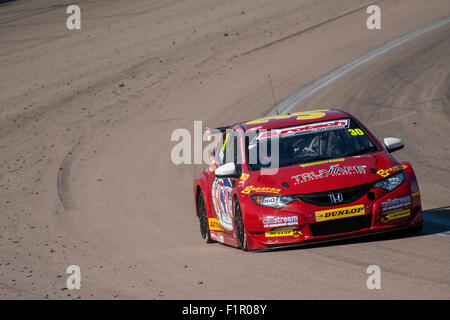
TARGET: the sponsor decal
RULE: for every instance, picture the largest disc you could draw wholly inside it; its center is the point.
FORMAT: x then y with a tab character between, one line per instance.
279	233
272	222
308	128
395	203
249	189
216	236
415	198
387	172
339	213
298	233
283	233
304	115
244	176
225	141
242	179
221	195
214	224
333	171
321	162
396	215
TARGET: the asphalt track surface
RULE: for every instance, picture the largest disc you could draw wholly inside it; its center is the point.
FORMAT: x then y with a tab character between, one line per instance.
86	176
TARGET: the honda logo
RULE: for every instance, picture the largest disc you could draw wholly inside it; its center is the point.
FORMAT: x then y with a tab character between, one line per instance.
336	197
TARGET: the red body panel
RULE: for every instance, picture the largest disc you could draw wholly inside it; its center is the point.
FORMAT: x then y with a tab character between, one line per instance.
298	220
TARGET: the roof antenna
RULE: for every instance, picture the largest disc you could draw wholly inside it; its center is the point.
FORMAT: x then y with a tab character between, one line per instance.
273	95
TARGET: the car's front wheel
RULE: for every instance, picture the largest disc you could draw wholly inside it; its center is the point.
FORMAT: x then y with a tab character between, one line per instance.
241	235
203	218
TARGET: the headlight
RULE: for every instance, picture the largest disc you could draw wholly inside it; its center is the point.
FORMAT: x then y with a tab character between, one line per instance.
392	182
273	201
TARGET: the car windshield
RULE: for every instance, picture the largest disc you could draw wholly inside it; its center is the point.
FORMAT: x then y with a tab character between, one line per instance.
308	143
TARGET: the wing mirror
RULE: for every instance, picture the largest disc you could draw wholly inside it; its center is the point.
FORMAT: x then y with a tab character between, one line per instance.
227	170
393	144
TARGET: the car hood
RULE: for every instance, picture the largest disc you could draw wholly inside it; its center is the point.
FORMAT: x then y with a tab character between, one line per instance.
326	175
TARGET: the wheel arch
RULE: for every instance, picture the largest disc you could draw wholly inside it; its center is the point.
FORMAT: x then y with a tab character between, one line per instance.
201	186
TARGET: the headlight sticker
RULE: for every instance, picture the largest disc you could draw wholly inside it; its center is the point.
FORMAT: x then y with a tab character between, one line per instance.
387	172
249	189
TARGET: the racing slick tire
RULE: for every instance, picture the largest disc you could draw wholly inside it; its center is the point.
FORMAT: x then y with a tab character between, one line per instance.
241	235
203	219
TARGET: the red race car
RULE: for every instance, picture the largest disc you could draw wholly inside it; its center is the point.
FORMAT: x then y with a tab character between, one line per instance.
304	177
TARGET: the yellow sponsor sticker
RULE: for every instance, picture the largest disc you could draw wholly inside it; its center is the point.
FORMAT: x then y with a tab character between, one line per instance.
321	162
339	213
249	189
214	224
303	115
398	214
279	233
387	172
244	176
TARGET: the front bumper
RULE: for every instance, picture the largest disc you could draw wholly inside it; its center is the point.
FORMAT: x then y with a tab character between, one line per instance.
350	236
297	223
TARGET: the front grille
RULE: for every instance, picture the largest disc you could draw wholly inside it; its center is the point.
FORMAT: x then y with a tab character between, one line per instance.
327	228
323	198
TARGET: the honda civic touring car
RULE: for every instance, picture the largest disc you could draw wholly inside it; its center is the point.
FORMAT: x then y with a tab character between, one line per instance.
304	177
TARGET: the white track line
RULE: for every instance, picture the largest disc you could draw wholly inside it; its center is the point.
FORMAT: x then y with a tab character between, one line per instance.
290	101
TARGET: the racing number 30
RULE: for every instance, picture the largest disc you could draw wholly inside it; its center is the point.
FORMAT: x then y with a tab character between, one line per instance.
356	132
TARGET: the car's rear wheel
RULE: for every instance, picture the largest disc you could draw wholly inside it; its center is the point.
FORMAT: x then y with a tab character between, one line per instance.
241	235
203	218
